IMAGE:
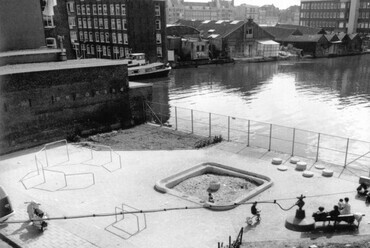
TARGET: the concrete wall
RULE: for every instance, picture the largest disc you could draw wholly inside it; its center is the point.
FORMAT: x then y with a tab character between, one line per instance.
21	25
43	106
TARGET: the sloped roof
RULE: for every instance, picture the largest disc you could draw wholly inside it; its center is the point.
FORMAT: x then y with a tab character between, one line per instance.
280	33
190	23
303	29
342	35
332	37
354	35
304	38
222	27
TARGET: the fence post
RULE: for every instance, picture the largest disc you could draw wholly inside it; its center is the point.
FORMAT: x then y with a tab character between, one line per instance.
293	142
345	159
192	121
175	118
210	132
318	147
249	128
270	137
228	128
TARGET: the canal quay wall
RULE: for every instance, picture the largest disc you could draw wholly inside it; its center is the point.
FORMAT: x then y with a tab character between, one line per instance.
44	102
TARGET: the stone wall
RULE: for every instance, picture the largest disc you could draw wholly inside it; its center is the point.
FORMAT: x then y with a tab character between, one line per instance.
43	106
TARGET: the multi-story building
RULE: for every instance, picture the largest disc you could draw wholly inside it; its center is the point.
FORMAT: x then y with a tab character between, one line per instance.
348	16
246	11
175	11
114	29
268	15
290	15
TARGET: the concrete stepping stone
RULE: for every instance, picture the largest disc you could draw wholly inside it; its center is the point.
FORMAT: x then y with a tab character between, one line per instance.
301	166
276	161
294	160
319	166
282	168
307	173
327	173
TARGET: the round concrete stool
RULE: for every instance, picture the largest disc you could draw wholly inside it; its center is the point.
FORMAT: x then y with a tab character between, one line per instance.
307	173
282	168
319	167
294	160
277	161
301	166
327	173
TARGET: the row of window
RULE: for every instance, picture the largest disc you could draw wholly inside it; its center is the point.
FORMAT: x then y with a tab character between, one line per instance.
320	24
364	15
103	23
102	9
323	15
107	51
363	25
324	5
117	38
365	5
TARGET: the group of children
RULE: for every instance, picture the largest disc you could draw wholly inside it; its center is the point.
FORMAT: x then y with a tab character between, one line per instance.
343	207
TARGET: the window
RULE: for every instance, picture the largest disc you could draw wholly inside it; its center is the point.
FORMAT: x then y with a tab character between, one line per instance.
108	51
119	26
123	9
106	25
111	7
92	49
84	23
89	23
157	10
94	9
121	52
127	51
73	35
83	9
86	36
97	36
88	49
88	9
105	10
78	9
102	37
96	25
71	7
159	52
107	38
113	23
114	38
157	24
98	50
99	9
115	52
71	21
124	24
91	37
48	21
118	9
119	38
104	51
159	38
81	34
125	39
101	24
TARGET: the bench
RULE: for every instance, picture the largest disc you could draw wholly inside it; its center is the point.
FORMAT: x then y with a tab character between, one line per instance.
348	218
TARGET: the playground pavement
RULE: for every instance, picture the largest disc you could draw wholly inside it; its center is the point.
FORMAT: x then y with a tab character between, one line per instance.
86	186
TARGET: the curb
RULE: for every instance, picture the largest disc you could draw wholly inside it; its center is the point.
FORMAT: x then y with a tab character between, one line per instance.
9	241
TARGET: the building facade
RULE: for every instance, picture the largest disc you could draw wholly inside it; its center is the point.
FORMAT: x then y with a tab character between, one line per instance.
246	11
350	16
114	29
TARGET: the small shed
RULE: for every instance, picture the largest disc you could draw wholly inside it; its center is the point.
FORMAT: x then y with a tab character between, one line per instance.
315	45
355	44
267	48
335	43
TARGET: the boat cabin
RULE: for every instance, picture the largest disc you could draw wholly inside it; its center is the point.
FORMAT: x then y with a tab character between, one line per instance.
138	58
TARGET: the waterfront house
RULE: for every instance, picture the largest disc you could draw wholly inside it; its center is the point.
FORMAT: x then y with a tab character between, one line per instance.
344	45
355	44
335	42
315	45
236	39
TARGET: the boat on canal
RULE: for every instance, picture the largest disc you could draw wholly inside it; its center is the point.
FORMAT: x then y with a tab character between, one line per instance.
139	68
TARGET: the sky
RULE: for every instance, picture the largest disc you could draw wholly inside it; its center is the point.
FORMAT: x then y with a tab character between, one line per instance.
281	4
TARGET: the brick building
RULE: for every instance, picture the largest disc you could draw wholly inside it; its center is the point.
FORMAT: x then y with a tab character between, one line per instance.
348	16
113	29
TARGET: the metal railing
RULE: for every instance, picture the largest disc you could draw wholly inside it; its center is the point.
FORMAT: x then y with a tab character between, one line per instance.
293	141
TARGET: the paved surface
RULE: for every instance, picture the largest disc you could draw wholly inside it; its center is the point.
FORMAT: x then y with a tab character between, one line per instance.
86	185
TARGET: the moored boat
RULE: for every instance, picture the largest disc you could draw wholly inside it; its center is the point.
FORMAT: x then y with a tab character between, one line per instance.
150	70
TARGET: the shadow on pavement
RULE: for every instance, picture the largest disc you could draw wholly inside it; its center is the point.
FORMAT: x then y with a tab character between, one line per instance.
329	231
27	232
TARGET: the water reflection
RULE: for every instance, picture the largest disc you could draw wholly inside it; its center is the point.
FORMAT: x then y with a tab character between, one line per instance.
323	95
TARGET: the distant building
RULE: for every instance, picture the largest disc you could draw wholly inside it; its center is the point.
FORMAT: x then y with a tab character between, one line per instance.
268	15
246	11
350	16
290	15
113	29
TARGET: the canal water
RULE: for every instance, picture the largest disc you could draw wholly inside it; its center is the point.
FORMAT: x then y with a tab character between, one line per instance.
329	95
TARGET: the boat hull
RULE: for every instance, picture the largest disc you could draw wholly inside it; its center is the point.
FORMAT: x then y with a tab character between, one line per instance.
153	74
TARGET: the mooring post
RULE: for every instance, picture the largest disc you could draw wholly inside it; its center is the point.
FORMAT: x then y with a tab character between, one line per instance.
210	132
192	125
270	137
318	147
293	142
249	127
345	159
175	118
228	128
